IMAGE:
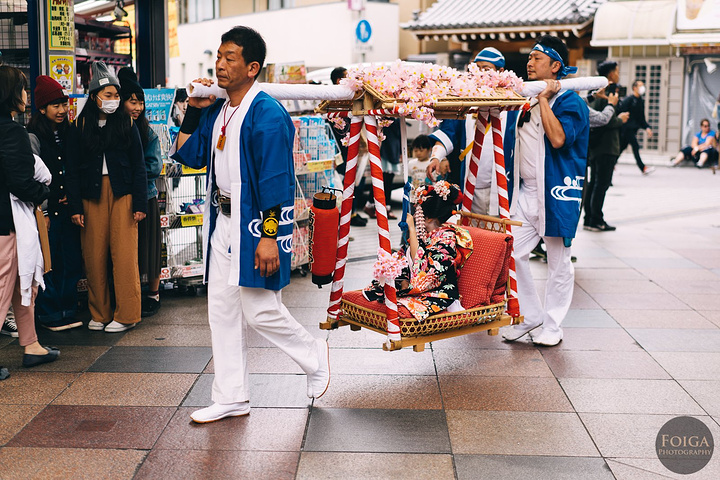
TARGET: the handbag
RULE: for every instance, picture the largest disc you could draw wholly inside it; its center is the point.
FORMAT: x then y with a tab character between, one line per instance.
44	238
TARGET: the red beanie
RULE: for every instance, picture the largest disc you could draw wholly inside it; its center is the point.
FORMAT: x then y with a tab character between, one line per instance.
47	90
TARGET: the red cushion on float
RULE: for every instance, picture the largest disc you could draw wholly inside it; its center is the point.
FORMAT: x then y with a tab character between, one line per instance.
483	278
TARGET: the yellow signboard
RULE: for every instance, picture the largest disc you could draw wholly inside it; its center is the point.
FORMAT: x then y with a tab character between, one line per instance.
191	220
61	25
62	70
190	171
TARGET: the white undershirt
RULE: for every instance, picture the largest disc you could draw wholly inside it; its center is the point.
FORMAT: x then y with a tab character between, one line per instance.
226	158
529	137
101	124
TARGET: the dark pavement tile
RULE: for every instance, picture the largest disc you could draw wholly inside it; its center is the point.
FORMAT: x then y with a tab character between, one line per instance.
601	339
374	466
592	364
167	336
705	392
180	310
588	318
14	418
154	360
382	391
78	464
80	336
519	433
128	389
625	301
660	397
527	394
269	429
344	361
631	436
381	431
677	340
72	359
218	464
690	365
64	426
673	319
509	467
29	388
288	391
501	363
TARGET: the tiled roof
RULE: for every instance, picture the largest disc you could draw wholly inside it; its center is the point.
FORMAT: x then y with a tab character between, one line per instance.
468	14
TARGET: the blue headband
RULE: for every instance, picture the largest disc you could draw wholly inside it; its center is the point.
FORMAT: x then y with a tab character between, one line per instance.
491	55
550	52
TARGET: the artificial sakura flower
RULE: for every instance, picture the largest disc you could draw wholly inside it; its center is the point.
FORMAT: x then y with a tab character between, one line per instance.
388	267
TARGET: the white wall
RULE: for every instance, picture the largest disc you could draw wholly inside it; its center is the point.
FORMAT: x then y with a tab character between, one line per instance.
320	35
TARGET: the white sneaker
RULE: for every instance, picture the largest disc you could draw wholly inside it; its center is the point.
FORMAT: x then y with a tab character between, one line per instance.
93	325
318	382
115	327
547	338
217	411
515	332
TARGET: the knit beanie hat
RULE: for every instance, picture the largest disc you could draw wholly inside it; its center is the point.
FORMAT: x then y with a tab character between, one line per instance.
491	55
47	90
128	82
102	76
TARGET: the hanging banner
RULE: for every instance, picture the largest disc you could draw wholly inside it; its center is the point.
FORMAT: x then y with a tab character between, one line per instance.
172	21
61	69
158	105
61	25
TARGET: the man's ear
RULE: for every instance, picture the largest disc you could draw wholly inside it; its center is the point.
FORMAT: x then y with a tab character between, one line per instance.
254	69
555	67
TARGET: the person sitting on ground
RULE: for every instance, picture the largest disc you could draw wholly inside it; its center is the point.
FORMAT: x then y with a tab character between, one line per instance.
702	149
435	253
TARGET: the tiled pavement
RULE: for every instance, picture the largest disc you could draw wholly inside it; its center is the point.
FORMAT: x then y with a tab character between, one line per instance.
642	345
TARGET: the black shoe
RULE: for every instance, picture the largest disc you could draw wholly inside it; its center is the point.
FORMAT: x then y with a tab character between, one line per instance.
357	221
539	251
150	307
604	227
4	373
9	327
30	360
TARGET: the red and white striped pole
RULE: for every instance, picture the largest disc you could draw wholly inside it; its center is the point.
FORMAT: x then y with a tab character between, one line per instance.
345	213
393	324
474	166
513	307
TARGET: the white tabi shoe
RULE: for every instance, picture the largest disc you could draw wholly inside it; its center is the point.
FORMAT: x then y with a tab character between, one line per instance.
217	411
547	338
93	325
515	332
115	327
318	382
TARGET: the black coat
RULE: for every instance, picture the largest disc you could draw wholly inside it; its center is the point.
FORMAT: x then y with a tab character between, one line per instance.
636	107
17	167
56	159
126	169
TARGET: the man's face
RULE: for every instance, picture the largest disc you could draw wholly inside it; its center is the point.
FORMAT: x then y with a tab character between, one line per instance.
231	69
614	76
637	86
541	67
485	66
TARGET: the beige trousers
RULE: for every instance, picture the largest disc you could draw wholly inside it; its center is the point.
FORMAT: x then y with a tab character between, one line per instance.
10	292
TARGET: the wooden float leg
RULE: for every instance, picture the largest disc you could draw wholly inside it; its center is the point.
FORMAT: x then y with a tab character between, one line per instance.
355	328
493	331
420	347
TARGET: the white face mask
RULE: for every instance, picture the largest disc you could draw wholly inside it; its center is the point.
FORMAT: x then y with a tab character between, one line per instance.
641	90
109	106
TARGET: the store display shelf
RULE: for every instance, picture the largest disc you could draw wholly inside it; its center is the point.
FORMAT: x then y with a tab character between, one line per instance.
89	25
110	58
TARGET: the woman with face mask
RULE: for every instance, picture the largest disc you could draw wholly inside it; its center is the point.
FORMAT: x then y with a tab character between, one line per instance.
107	197
55	140
149	234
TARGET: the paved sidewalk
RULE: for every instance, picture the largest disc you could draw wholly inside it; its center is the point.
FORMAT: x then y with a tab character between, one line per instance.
642	345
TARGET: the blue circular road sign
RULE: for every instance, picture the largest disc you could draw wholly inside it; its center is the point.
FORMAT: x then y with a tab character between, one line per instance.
363	31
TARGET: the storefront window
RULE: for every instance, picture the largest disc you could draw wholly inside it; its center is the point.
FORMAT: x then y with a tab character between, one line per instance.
192	11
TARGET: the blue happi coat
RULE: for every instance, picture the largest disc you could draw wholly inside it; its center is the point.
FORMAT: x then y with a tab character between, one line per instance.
560	178
267	179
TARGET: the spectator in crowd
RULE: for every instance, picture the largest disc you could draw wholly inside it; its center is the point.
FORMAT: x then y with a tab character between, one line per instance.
628	134
603	150
421	149
107	194
149	233
19	192
702	149
56	140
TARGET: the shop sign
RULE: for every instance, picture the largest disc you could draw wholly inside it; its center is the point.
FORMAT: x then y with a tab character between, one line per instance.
61	25
191	220
698	15
62	70
158	105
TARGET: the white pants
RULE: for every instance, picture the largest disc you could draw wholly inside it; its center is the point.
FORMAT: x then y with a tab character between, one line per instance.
561	273
231	308
481	201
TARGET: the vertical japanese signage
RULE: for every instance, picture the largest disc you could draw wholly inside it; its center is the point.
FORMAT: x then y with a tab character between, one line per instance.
61	25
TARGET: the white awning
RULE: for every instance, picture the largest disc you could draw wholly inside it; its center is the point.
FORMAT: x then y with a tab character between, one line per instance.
705	39
634	23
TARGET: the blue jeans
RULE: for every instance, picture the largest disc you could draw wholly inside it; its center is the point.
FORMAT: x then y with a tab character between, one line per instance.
59	299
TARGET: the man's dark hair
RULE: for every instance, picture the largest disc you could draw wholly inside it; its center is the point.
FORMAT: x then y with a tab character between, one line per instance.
337	74
12	84
556	44
252	43
606	68
635	83
422	142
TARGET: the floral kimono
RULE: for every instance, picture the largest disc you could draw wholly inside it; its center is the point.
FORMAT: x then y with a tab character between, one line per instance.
432	274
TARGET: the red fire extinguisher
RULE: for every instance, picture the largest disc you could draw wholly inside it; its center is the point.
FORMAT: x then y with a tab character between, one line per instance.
324	226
